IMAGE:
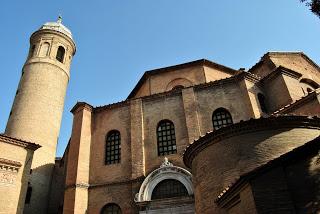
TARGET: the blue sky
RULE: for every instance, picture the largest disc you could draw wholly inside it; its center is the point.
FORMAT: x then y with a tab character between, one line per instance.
117	41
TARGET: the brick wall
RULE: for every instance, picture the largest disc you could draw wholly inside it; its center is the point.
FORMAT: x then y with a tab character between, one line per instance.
218	165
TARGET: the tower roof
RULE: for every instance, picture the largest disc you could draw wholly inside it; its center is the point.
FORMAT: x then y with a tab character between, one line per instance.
57	26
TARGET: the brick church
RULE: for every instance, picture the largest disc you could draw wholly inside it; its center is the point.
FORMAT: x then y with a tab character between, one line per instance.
197	137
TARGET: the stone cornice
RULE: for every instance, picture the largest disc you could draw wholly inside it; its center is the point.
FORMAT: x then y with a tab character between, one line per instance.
252	125
89	186
111	106
18	142
281	70
233	79
128	181
9	165
81	105
35	60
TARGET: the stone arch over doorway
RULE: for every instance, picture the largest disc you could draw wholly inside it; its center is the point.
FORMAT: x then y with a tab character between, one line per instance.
164	172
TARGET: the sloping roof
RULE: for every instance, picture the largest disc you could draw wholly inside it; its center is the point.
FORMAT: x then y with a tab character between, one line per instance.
201	62
297	103
281	70
263	123
309	148
232	79
278	53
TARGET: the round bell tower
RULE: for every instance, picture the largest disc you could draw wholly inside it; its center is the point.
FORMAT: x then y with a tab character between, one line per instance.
38	105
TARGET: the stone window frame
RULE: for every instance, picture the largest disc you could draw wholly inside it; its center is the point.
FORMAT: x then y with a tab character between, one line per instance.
113	147
165	171
166	138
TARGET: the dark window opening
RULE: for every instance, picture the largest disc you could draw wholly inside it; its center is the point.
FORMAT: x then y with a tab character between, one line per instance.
168	189
60	54
166	138
221	118
28	195
312	84
113	147
178	87
111	209
309	90
262	102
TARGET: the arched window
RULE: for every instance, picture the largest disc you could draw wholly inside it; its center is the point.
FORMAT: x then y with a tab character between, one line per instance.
44	50
262	102
166	138
221	118
60	54
111	209
169	188
113	147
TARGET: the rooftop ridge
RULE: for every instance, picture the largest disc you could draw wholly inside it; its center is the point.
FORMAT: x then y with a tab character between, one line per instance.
179	66
226	80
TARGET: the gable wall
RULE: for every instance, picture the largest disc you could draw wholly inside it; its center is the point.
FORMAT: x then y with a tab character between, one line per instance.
213	74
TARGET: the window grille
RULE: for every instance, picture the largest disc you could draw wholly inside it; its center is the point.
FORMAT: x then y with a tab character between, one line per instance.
113	147
169	188
166	138
221	118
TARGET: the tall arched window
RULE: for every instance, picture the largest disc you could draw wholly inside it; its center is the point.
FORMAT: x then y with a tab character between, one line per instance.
166	138
262	102
44	49
113	147
221	118
169	188
60	54
111	208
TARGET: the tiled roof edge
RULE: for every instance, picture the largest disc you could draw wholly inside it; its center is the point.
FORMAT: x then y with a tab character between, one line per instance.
263	123
297	103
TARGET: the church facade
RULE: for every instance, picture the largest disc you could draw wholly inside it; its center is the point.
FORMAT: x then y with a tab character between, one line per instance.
198	137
